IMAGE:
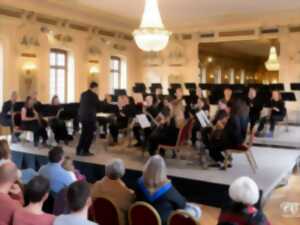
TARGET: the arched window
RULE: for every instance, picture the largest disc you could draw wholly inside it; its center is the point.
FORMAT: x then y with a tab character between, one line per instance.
118	73
58	73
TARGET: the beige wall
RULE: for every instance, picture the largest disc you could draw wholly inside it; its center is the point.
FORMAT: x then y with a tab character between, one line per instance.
11	32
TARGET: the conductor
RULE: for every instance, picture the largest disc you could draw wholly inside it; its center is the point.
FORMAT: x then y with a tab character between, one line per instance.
87	116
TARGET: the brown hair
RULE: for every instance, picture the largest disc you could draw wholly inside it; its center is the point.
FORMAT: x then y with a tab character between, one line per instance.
4	150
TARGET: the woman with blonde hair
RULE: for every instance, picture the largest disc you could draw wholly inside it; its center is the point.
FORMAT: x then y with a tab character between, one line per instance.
155	188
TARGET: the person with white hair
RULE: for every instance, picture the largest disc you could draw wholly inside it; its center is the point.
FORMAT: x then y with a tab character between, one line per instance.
112	187
244	194
155	188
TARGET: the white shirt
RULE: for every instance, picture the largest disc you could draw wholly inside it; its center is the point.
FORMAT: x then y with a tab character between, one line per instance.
72	219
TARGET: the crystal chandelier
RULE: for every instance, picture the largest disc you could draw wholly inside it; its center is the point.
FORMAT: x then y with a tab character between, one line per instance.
272	64
152	35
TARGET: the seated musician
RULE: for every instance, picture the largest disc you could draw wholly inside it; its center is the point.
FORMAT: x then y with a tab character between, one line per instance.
158	98
228	96
36	103
58	125
201	105
169	122
276	114
255	106
31	121
6	116
231	134
151	112
103	122
121	121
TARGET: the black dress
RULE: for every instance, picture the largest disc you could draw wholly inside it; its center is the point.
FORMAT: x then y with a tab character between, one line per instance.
35	126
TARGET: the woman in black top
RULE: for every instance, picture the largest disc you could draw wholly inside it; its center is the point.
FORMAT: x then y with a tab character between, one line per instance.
232	134
277	113
155	188
32	122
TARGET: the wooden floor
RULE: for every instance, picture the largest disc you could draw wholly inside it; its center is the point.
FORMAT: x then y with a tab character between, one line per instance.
290	193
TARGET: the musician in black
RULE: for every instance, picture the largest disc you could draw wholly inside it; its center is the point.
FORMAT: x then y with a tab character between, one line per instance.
58	125
30	120
6	116
231	134
255	106
277	113
89	102
121	119
201	105
151	111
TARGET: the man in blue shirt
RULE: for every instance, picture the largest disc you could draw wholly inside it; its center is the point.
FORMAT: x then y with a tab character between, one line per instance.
59	178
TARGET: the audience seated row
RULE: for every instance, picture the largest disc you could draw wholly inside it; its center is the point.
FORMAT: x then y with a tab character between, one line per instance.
152	187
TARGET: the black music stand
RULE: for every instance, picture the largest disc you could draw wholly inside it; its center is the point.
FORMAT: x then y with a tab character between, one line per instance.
190	86
120	92
207	87
175	86
289	96
277	87
295	86
139	88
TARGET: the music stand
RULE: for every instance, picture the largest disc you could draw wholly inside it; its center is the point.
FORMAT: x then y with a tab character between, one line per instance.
277	87
120	92
288	96
175	86
139	88
295	86
207	87
190	86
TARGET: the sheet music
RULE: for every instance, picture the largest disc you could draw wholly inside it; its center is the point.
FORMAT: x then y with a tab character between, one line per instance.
143	121
202	118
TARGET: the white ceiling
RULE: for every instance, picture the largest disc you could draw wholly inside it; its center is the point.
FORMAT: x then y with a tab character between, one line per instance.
178	15
185	13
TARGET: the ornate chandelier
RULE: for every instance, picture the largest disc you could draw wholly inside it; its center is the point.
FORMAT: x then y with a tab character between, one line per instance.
152	35
272	64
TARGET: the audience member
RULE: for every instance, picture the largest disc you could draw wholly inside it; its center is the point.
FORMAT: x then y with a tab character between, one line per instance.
112	187
244	194
8	186
79	202
36	192
68	165
59	178
155	188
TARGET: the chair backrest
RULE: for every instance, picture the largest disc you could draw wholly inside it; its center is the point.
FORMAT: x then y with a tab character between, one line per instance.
104	212
181	217
142	213
184	132
60	203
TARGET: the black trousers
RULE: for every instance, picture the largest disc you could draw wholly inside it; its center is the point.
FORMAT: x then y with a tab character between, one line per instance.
253	119
115	127
6	122
160	136
138	133
86	138
59	129
273	119
196	128
215	144
39	131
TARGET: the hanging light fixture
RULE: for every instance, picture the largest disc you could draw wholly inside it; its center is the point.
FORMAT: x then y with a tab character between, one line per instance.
152	35
272	64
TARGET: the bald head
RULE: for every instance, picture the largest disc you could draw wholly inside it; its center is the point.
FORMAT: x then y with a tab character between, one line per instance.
8	173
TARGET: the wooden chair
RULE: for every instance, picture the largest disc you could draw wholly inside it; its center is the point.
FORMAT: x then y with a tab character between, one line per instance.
246	150
104	212
142	213
181	217
183	136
